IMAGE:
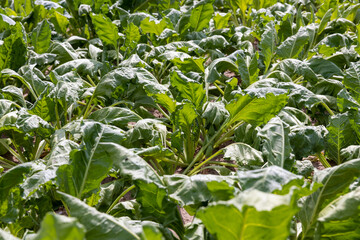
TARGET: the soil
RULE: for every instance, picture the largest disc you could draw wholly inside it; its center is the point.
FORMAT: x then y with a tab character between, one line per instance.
187	218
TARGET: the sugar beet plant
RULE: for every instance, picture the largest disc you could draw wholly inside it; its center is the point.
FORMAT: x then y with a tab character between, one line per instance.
118	117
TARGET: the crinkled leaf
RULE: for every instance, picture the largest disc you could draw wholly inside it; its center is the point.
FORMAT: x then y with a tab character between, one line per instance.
199	188
41	37
55	226
201	15
98	225
255	110
247	216
119	117
276	143
293	45
307	140
340	135
331	189
105	29
243	154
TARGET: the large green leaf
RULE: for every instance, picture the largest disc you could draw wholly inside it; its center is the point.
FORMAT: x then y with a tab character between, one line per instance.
340	135
199	188
153	26
83	67
243	154
119	117
105	29
247	216
339	220
270	179
55	226
41	37
90	163
331	189
13	49
188	88
7	236
221	20
256	110
201	15
307	140
293	45
98	225
268	43
276	143
352	78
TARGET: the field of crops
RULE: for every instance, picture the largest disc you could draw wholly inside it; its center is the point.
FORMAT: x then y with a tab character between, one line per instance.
165	119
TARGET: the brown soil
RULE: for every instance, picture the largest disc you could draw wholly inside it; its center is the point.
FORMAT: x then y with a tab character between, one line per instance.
187	218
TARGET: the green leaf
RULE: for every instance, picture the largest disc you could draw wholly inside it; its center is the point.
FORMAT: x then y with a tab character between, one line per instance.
6	107
243	154
340	135
153	26
217	67
201	15
247	216
293	45
199	188
64	51
119	117
188	88
255	110
22	122
307	140
276	143
13	93
83	67
7	236
41	37
332	188
352	78
271	179
324	67
215	114
295	68
350	152
60	22
37	180
221	20
346	102
98	225
55	226
90	163
213	42
339	220
268	43
324	21
185	115
248	69
132	35
184	61
13	50
105	29
43	107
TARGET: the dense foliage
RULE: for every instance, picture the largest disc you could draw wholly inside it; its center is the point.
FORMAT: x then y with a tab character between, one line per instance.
116	117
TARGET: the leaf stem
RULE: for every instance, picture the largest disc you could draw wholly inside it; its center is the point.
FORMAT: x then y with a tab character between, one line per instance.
14	153
323	160
162	111
91	81
327	108
119	198
7	162
88	107
204	162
